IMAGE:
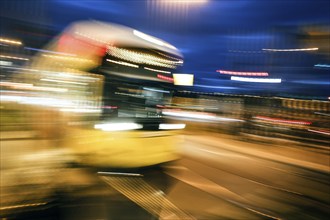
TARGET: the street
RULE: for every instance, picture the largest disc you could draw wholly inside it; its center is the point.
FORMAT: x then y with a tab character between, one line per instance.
219	176
223	178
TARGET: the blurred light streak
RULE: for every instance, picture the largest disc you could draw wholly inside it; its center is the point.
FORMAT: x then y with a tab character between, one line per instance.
216	87
320	131
5	63
120	174
14	58
128	94
44	101
171	126
198	115
228	119
152	39
80	110
180	61
292	50
118	126
71	58
242	73
161	71
320	113
187	114
110	107
123	63
155	90
18	68
62	81
279	120
322	65
258	80
16	85
8	41
36	100
165	78
91	38
44	88
74	75
245	51
11	98
312	82
61	74
48	51
23	206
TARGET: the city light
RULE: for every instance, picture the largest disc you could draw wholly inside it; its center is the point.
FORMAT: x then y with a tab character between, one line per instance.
14	58
322	65
8	41
292	50
319	131
123	63
181	109
165	78
286	121
156	90
242	73
63	81
160	71
27	86
258	80
189	114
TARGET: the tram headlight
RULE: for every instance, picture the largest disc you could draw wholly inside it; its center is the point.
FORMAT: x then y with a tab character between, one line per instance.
118	126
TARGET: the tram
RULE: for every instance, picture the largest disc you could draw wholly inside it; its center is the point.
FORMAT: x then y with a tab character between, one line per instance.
115	79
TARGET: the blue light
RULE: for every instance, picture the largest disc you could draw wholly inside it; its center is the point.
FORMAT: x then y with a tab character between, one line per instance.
322	65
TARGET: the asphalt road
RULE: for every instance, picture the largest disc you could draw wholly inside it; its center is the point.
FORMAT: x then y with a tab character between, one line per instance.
223	177
218	177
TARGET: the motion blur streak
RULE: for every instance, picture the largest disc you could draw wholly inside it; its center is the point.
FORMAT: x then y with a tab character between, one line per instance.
172	126
14	58
292	50
259	80
243	73
197	109
9	41
118	126
322	65
188	114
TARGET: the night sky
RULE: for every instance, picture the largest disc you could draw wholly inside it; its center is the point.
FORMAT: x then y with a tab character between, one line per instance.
216	34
